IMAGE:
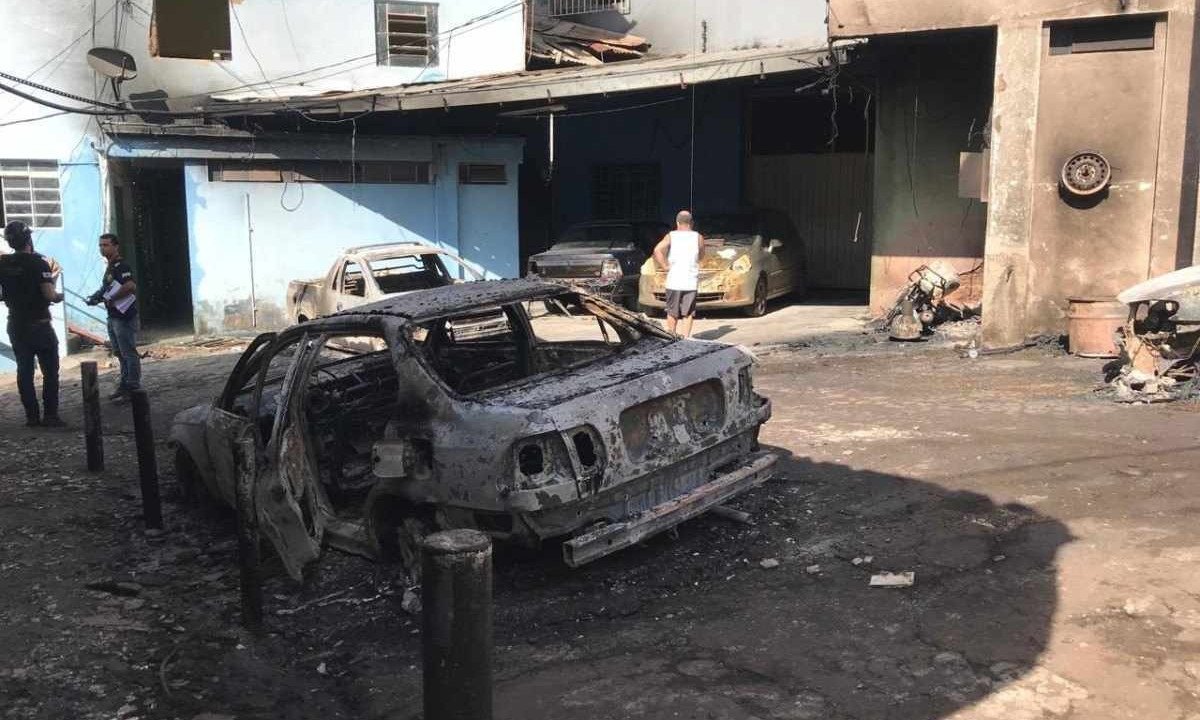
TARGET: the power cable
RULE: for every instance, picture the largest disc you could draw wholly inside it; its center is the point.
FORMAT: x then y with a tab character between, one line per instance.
35	119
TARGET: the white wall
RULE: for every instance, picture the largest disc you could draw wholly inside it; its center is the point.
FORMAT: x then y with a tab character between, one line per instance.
322	32
676	26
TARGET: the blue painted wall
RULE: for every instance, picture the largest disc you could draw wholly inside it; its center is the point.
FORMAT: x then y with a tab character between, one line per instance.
300	229
73	246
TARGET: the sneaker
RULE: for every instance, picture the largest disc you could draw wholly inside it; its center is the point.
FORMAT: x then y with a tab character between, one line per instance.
120	393
53	421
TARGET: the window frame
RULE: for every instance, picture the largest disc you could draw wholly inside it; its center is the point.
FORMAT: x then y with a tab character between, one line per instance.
568	8
384	10
219	28
477	174
23	176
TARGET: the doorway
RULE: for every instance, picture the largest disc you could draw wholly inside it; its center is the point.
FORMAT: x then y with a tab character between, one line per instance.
151	220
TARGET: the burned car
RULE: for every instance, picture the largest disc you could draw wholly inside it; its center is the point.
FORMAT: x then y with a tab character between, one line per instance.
749	258
1160	342
602	256
592	425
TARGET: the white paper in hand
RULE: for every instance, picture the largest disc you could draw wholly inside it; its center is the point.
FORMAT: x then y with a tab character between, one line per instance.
124	303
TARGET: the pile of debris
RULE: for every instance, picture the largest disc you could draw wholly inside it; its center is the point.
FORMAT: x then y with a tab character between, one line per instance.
1160	343
922	303
560	42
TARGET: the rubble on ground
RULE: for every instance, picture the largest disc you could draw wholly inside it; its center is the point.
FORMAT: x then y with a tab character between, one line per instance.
1160	343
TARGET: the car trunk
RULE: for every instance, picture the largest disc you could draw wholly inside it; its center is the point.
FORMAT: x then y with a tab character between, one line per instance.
646	357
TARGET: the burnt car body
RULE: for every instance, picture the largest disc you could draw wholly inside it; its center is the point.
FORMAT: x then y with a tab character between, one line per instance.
595	426
749	258
602	256
1160	342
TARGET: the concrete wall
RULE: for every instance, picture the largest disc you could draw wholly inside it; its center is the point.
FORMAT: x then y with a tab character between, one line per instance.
931	96
860	18
679	27
299	229
1139	107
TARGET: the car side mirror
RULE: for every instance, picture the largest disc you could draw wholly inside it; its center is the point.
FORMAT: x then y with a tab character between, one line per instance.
773	246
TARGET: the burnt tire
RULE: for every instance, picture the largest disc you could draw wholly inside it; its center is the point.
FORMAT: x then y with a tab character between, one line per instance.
758	307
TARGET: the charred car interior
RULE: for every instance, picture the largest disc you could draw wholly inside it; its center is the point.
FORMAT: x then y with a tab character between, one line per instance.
520	408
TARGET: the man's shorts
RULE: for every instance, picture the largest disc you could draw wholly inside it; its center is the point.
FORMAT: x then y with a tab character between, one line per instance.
681	303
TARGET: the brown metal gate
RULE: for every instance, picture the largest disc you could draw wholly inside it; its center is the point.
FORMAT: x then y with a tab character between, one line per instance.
828	197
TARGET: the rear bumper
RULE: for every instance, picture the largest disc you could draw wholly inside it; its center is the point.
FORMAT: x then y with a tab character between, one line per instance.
595	544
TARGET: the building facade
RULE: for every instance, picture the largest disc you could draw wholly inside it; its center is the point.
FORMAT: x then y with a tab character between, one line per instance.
1028	88
72	180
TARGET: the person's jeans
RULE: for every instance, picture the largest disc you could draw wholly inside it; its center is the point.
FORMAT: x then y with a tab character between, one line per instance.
36	343
122	334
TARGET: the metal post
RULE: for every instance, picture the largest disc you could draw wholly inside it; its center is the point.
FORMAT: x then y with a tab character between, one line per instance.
456	597
92	434
250	246
247	529
143	431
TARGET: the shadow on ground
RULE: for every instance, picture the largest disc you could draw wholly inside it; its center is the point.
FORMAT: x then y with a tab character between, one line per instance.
697	628
690	626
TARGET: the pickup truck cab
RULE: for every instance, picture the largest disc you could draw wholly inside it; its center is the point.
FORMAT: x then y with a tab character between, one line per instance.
370	273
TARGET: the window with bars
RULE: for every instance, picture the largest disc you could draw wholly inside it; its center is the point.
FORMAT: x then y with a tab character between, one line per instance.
401	172
626	191
560	8
480	174
406	33
31	193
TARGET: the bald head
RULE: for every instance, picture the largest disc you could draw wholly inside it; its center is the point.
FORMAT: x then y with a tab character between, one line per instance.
683	220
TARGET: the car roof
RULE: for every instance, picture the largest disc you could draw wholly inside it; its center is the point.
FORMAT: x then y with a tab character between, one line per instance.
384	250
422	305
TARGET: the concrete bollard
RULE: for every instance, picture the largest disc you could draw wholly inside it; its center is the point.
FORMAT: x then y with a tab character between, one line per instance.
247	527
92	433
456	598
143	431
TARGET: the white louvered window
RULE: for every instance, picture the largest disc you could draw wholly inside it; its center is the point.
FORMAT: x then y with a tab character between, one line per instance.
561	8
31	192
406	33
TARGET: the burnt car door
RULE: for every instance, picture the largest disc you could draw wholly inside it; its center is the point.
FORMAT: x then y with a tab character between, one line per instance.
774	255
231	415
286	506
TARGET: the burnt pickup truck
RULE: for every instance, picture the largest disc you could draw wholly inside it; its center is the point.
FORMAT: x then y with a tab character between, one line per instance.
368	273
593	426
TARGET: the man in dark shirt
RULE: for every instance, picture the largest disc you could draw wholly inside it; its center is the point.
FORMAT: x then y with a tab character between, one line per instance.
27	283
117	294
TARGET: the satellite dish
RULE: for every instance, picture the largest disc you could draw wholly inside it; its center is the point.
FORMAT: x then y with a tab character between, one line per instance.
112	63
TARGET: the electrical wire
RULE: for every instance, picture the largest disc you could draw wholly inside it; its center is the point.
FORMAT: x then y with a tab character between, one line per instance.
35	119
588	113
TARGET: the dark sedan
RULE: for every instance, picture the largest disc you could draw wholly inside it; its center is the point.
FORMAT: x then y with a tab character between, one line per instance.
604	256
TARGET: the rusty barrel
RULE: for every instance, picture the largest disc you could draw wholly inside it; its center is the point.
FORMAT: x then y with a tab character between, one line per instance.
1092	323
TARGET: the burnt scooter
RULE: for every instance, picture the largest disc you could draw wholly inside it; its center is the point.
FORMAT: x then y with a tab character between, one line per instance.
921	304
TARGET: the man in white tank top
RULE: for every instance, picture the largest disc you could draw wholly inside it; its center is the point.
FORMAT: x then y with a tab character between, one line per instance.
679	253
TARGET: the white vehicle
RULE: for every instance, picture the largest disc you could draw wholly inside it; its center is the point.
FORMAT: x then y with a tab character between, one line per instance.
371	273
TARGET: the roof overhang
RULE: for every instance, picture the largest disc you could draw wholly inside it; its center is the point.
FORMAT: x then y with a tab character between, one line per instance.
539	85
131	140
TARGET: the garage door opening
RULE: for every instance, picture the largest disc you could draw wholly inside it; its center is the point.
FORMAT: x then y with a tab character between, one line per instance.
810	155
